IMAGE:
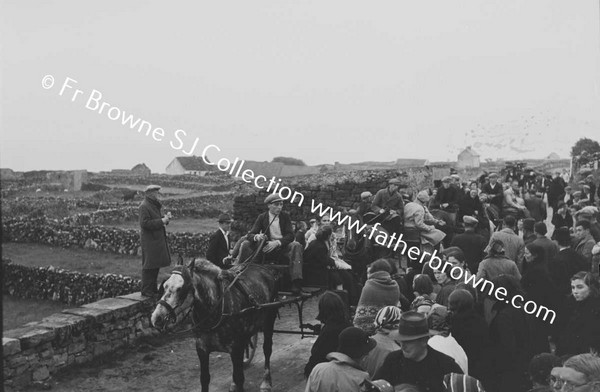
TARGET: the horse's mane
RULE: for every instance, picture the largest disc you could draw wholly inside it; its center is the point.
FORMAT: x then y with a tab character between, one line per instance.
201	265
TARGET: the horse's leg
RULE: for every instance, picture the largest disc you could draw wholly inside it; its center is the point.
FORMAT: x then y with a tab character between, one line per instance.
203	356
237	360
268	327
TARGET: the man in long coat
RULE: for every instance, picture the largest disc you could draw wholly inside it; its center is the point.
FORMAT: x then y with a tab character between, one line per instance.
155	250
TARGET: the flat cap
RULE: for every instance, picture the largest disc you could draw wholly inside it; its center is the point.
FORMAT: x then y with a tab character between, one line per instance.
447	179
365	194
152	188
576	193
493	175
469	220
224	218
272	198
455	176
590	210
394	181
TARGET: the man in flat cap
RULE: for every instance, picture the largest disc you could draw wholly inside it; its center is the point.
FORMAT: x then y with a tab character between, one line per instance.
274	228
219	243
494	191
389	206
155	250
364	211
447	198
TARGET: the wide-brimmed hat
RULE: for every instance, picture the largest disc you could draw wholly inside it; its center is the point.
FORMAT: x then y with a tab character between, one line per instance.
224	218
354	342
152	188
272	198
412	326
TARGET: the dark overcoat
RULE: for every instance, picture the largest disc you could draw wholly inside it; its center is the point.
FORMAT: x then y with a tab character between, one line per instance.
217	248
155	250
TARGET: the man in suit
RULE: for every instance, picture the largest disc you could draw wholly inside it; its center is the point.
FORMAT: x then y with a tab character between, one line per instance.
550	247
274	228
566	263
219	245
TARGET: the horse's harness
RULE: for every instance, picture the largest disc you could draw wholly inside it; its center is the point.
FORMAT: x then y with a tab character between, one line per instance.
225	288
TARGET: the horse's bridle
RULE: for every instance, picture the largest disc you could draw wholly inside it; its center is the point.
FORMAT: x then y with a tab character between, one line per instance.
171	315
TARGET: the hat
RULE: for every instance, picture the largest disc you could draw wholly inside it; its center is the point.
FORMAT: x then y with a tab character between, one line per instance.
588	210
528	224
586	187
455	176
590	177
469	220
272	198
377	385
576	193
394	181
224	218
447	179
313	220
495	175
423	196
354	342
387	316
152	188
568	187
365	194
413	326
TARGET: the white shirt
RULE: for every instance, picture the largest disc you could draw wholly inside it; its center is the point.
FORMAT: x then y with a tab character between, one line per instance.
226	235
274	228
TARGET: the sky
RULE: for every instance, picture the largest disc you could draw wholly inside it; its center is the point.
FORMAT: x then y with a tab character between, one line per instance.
322	81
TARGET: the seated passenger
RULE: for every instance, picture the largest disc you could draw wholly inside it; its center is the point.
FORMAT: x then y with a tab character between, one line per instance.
389	206
274	228
418	217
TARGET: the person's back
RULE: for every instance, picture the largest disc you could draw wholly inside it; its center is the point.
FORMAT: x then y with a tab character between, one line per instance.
492	267
472	244
537	208
514	246
550	247
341	373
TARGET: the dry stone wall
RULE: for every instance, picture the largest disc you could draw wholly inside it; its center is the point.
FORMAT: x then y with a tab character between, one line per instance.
36	351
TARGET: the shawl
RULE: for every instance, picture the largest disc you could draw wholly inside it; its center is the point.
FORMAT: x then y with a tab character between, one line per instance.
379	291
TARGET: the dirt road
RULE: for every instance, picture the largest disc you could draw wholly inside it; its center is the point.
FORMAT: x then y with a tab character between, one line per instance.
170	364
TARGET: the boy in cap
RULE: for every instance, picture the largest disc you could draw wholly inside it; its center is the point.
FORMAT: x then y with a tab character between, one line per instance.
274	228
219	243
343	371
416	363
153	239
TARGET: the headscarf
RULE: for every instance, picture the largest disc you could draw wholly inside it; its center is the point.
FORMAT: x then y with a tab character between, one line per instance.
388	317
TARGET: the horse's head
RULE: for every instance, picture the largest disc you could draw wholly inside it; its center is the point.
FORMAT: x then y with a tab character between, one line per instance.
176	299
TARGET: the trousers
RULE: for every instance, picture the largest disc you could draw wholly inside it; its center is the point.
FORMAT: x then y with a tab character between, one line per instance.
291	255
149	281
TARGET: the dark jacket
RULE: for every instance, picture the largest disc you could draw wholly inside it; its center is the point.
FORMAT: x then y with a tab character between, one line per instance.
509	335
153	236
579	327
540	288
496	194
559	221
556	191
217	248
472	334
550	247
472	245
427	374
537	208
468	205
449	196
316	260
564	265
261	225
326	342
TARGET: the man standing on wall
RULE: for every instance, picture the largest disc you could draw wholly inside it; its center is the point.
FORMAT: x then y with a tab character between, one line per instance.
155	250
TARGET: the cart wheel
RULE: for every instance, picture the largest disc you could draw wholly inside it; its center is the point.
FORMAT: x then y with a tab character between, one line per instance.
250	350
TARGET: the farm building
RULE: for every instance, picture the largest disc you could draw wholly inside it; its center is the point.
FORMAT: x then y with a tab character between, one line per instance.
468	158
141	170
188	165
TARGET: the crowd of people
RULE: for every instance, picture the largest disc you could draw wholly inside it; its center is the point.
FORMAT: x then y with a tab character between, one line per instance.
387	319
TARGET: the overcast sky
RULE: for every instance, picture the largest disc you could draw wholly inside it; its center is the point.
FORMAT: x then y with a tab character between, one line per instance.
322	81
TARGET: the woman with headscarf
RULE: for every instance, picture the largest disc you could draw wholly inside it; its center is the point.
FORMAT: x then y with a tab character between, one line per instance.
386	321
539	288
417	217
424	297
579	323
380	290
442	340
333	313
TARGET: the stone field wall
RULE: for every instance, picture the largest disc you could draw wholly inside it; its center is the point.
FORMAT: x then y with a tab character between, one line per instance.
36	351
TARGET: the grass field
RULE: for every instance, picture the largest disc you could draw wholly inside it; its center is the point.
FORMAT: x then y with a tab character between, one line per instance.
18	311
80	260
179	225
